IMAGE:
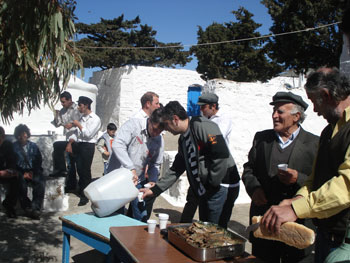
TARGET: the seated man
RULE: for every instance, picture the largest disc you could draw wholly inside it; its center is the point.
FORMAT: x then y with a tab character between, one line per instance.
30	171
8	174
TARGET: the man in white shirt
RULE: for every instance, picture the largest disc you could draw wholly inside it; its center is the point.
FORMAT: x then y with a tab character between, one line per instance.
83	141
149	102
65	118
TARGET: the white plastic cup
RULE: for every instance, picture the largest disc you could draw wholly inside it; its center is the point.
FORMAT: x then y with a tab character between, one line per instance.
283	166
139	196
151	225
163	221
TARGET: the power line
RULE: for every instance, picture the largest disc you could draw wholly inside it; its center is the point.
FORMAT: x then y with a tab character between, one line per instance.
219	42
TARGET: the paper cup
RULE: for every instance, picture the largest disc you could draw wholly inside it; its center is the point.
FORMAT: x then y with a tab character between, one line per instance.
139	196
163	221
147	186
283	166
151	225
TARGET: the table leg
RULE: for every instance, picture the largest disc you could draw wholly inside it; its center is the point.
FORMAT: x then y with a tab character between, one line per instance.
66	248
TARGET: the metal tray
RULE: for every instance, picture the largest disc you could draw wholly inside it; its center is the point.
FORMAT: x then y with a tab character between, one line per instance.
206	254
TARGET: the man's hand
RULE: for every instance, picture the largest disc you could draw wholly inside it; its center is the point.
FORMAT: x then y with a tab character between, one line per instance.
77	124
135	178
68	125
146	192
258	197
288	177
28	175
69	148
276	216
8	173
106	153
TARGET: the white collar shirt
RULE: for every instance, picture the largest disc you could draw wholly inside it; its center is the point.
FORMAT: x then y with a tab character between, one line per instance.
285	144
91	124
224	122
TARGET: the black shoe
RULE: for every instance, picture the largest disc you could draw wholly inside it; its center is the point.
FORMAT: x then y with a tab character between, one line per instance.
59	173
33	214
10	211
70	189
83	201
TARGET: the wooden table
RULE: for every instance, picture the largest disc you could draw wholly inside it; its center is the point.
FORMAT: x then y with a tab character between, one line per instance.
92	230
135	244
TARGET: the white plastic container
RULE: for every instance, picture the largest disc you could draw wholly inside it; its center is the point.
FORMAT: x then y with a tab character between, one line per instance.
111	192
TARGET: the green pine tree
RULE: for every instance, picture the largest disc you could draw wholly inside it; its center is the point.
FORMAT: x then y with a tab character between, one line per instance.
238	61
311	49
119	41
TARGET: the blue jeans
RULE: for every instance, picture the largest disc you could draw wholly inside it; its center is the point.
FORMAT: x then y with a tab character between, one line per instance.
325	244
38	184
211	204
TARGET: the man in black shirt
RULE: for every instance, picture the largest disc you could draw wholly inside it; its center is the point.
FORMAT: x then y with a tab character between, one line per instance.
8	174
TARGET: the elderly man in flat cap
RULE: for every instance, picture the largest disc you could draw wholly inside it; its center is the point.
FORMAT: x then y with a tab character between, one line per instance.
267	185
83	141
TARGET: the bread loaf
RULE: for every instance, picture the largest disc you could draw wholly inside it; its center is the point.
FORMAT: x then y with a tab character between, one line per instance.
291	233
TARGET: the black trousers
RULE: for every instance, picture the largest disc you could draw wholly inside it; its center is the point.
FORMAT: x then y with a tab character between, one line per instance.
84	156
190	207
12	192
59	162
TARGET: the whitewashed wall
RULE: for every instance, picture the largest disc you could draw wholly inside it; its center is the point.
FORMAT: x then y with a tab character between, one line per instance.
120	89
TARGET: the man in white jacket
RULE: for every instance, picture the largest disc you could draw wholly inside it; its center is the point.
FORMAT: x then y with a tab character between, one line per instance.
137	145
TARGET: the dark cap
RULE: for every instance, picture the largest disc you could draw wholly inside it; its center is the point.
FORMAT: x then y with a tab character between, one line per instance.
207	98
84	100
290	97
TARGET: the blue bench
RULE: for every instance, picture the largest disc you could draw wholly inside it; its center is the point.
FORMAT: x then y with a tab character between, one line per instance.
92	230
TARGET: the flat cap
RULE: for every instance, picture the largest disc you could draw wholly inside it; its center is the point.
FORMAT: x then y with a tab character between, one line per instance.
283	96
207	98
84	100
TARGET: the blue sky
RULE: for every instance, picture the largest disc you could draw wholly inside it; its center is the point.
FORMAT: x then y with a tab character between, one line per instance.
174	21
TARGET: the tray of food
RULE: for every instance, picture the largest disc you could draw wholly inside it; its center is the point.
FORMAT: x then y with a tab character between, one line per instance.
204	241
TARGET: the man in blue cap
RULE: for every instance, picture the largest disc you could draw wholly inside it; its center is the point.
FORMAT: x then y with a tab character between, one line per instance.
266	184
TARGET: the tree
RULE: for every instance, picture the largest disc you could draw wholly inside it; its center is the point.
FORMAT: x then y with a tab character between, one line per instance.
36	52
117	43
311	49
239	61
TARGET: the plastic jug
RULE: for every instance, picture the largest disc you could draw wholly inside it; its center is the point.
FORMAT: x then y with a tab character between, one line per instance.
111	192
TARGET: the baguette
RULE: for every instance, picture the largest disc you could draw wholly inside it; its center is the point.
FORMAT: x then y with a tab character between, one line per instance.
291	233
